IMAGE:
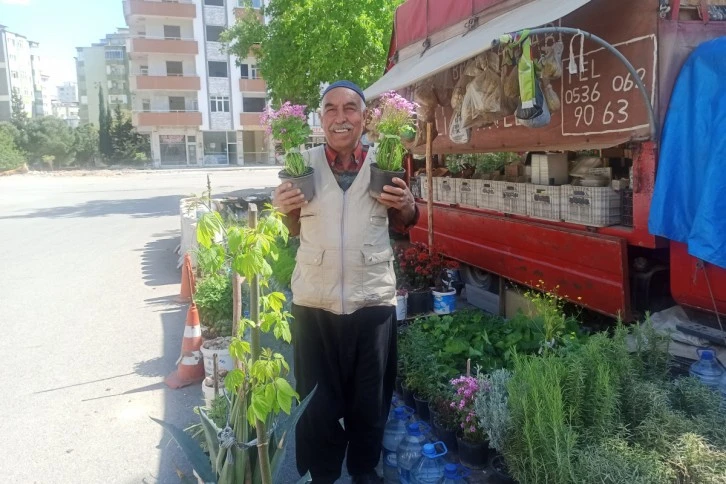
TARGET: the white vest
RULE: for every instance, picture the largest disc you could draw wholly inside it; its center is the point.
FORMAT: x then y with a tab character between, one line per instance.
345	259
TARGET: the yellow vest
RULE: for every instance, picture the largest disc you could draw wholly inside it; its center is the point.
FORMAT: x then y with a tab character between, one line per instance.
345	259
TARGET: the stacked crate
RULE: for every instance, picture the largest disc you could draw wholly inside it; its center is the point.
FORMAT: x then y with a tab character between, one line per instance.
424	188
466	191
487	194
592	206
543	202
550	169
445	191
512	197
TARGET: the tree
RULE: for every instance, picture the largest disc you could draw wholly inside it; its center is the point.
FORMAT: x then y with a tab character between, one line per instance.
128	145
50	137
19	117
308	43
85	143
11	156
105	146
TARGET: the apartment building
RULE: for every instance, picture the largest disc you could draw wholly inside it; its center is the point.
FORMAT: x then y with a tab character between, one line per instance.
67	92
20	70
197	104
103	65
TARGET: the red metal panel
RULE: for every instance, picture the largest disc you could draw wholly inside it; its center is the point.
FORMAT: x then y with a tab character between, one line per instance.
584	265
690	281
410	22
445	14
480	5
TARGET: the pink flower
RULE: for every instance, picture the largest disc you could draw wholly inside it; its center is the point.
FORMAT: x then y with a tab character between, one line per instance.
472	429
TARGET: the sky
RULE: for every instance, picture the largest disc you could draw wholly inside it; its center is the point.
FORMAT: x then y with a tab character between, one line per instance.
60	26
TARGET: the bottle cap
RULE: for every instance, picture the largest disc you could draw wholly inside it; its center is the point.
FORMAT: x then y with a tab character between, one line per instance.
429	450
450	471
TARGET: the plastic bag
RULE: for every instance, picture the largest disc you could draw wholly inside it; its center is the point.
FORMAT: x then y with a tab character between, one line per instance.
544	117
457	132
421	135
531	105
425	96
551	97
510	91
550	63
482	103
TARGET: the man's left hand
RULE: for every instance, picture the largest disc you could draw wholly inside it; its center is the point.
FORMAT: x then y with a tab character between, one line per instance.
399	197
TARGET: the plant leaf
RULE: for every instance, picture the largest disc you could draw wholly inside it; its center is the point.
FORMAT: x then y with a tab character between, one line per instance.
195	454
210	434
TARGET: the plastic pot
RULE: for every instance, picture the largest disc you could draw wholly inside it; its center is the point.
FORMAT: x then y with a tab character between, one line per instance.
419	302
422	408
381	178
498	468
445	435
224	359
444	302
401	307
305	183
407	396
474	455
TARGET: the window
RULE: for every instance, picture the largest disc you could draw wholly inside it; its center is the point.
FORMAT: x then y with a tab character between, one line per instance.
176	103
253	104
219	104
213	33
215	3
172	32
144	70
249	71
174	68
217	69
114	54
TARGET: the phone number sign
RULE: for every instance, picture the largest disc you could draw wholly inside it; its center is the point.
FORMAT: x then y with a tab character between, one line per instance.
603	97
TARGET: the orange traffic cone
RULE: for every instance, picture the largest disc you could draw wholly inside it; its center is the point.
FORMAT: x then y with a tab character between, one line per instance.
190	365
188	283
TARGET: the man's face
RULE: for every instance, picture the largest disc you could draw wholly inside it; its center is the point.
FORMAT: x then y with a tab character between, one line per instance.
342	118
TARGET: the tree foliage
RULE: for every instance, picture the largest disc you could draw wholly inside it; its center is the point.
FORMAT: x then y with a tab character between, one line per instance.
50	136
127	144
11	156
86	143
306	43
105	146
18	116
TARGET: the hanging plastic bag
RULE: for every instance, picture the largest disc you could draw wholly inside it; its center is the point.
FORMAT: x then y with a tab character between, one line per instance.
444	87
425	97
551	97
550	63
510	91
421	135
457	132
482	104
544	117
457	96
530	106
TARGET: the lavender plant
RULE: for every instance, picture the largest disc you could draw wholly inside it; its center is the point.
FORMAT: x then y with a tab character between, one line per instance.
491	406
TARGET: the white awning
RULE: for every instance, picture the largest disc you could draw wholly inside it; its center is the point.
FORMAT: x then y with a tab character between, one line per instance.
456	50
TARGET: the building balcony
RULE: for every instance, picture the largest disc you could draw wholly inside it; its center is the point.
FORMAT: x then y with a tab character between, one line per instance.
143	119
164	83
251	121
136	9
146	45
252	85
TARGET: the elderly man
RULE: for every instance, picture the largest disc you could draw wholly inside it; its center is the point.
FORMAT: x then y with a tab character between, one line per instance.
344	333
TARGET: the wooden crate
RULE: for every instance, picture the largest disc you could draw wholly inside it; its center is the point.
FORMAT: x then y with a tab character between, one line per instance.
591	206
543	202
466	191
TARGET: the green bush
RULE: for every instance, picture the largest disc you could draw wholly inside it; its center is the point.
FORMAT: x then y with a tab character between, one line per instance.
10	155
213	297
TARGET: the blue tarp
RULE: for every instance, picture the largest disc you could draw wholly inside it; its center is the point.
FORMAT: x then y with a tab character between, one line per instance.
689	202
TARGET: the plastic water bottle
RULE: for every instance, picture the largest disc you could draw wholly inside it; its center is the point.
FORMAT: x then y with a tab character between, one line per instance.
409	450
455	474
430	467
393	434
707	368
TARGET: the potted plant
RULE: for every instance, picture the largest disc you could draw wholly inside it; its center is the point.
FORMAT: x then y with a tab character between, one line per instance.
392	120
289	126
444	418
423	270
472	438
213	297
492	412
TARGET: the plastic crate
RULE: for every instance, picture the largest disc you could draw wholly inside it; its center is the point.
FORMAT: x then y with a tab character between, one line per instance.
415	186
487	194
592	206
543	202
445	191
626	207
512	197
466	191
423	188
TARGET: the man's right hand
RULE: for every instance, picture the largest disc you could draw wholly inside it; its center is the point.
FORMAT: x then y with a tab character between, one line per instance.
287	198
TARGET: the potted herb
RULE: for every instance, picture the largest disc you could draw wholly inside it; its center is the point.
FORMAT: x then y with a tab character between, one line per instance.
444	418
492	412
213	298
289	126
472	438
392	120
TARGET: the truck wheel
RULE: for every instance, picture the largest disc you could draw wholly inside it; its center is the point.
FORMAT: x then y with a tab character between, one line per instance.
475	276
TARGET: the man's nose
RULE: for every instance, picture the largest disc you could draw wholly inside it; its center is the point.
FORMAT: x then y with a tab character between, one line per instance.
340	116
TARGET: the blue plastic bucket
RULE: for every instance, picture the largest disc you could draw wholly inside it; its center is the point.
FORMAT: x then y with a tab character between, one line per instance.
444	302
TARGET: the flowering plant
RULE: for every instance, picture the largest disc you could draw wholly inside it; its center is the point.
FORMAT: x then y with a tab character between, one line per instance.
392	119
289	126
467	388
421	270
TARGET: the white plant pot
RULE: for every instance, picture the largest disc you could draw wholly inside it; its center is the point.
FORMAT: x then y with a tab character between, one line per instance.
444	302
224	359
401	307
208	391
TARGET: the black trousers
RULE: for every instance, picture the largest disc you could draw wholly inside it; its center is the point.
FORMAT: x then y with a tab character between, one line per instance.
352	360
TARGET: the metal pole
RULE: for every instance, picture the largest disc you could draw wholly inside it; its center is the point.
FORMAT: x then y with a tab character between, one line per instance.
641	86
430	188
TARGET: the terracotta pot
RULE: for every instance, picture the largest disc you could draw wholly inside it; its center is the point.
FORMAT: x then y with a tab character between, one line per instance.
306	182
474	455
381	178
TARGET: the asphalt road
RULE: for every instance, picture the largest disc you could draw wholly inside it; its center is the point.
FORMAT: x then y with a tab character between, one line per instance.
89	326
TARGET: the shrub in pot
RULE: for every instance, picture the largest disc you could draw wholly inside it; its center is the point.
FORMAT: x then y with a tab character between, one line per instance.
471	439
213	297
422	269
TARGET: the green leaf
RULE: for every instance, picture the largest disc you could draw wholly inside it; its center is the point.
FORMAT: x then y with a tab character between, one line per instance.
239	349
285	388
208	227
210	435
233	380
197	458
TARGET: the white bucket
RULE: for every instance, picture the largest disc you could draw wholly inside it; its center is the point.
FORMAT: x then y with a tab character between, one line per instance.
224	359
401	307
444	302
208	391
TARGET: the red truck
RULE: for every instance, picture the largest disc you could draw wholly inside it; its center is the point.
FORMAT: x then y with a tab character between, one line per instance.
614	270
